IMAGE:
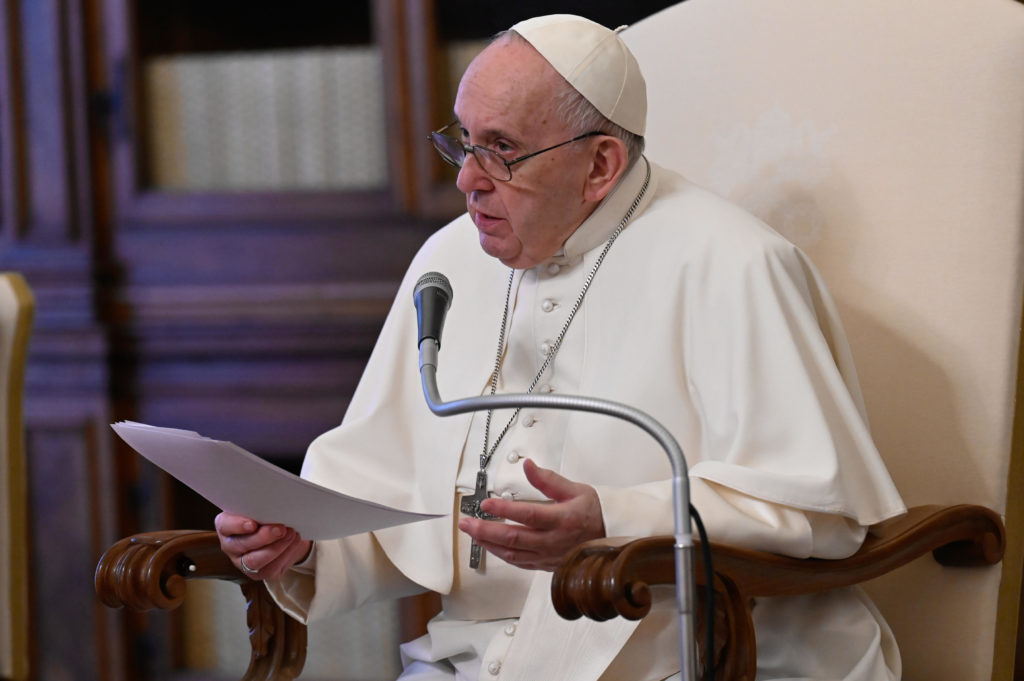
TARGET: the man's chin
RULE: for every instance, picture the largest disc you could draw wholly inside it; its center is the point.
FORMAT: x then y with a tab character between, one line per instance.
503	255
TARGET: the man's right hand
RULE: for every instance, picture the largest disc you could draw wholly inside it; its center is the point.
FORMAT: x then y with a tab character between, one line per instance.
268	550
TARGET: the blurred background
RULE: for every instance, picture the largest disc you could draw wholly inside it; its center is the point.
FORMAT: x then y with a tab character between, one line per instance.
213	203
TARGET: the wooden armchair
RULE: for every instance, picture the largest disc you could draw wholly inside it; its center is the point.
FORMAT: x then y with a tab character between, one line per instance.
885	138
600	580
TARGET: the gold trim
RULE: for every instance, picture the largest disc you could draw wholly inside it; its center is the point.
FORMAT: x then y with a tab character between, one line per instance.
1008	612
16	475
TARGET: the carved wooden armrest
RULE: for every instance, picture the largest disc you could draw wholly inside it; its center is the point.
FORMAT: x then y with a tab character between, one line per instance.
149	571
608	578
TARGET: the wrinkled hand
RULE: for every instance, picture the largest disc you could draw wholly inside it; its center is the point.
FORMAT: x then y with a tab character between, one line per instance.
545	533
268	549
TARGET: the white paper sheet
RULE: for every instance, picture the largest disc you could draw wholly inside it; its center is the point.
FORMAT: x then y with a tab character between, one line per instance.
240	482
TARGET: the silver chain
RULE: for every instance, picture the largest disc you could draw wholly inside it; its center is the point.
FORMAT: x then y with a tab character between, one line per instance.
487	453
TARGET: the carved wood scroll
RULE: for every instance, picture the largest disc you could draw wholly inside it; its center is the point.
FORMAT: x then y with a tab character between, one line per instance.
612	577
149	571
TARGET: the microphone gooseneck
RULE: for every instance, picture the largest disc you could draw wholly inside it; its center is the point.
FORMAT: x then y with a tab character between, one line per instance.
433	295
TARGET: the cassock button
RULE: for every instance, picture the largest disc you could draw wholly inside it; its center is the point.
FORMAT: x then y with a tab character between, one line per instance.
493	668
545	348
507	495
553	268
528	421
513	456
510	629
546	388
548	305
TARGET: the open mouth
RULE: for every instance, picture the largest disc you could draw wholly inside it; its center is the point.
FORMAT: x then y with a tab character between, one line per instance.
484	220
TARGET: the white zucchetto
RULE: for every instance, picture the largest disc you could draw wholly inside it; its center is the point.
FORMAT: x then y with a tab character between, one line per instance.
595	61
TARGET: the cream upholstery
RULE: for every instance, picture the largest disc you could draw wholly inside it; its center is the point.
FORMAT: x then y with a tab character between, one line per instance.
886	138
15	319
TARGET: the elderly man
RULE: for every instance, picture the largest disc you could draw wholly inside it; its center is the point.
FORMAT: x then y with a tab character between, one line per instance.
604	275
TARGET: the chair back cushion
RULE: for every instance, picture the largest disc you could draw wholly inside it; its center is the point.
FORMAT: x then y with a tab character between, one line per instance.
885	138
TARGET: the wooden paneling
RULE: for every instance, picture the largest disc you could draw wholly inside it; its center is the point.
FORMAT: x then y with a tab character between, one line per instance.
245	316
71	494
12	199
46	208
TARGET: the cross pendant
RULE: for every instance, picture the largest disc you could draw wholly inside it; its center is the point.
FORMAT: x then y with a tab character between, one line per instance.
471	506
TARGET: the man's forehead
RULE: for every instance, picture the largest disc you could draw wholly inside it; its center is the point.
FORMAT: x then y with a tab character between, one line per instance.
510	68
507	91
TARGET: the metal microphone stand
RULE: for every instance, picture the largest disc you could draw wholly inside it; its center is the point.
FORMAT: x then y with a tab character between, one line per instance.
680	481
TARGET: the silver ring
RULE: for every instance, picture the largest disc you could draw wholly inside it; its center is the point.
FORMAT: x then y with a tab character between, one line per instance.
245	568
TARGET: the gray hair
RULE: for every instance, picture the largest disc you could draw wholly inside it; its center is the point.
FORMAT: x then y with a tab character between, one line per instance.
581	117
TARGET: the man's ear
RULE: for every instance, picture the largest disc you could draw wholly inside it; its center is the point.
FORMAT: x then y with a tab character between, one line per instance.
607	166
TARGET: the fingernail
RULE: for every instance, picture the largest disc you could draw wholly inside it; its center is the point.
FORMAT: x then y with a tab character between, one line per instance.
249	526
276	531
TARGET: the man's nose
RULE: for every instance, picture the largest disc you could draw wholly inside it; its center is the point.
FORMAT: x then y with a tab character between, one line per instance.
472	176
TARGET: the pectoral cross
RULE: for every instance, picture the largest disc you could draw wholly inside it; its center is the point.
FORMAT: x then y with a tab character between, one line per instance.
471	506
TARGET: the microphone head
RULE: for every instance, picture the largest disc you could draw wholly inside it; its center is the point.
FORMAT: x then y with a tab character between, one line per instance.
433	279
432	296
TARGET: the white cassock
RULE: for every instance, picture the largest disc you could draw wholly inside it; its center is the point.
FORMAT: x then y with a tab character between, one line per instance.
701	316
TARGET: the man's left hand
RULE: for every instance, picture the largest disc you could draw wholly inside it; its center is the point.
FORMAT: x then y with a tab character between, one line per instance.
545	533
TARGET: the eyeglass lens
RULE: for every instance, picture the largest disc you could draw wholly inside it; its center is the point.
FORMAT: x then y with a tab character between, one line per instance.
454	152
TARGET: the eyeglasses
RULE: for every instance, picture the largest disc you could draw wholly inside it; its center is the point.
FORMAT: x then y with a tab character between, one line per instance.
454	152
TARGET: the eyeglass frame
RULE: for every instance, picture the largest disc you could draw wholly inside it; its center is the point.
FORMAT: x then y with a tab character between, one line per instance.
471	149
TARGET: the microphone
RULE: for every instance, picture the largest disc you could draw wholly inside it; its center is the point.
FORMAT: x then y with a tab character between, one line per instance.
432	296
